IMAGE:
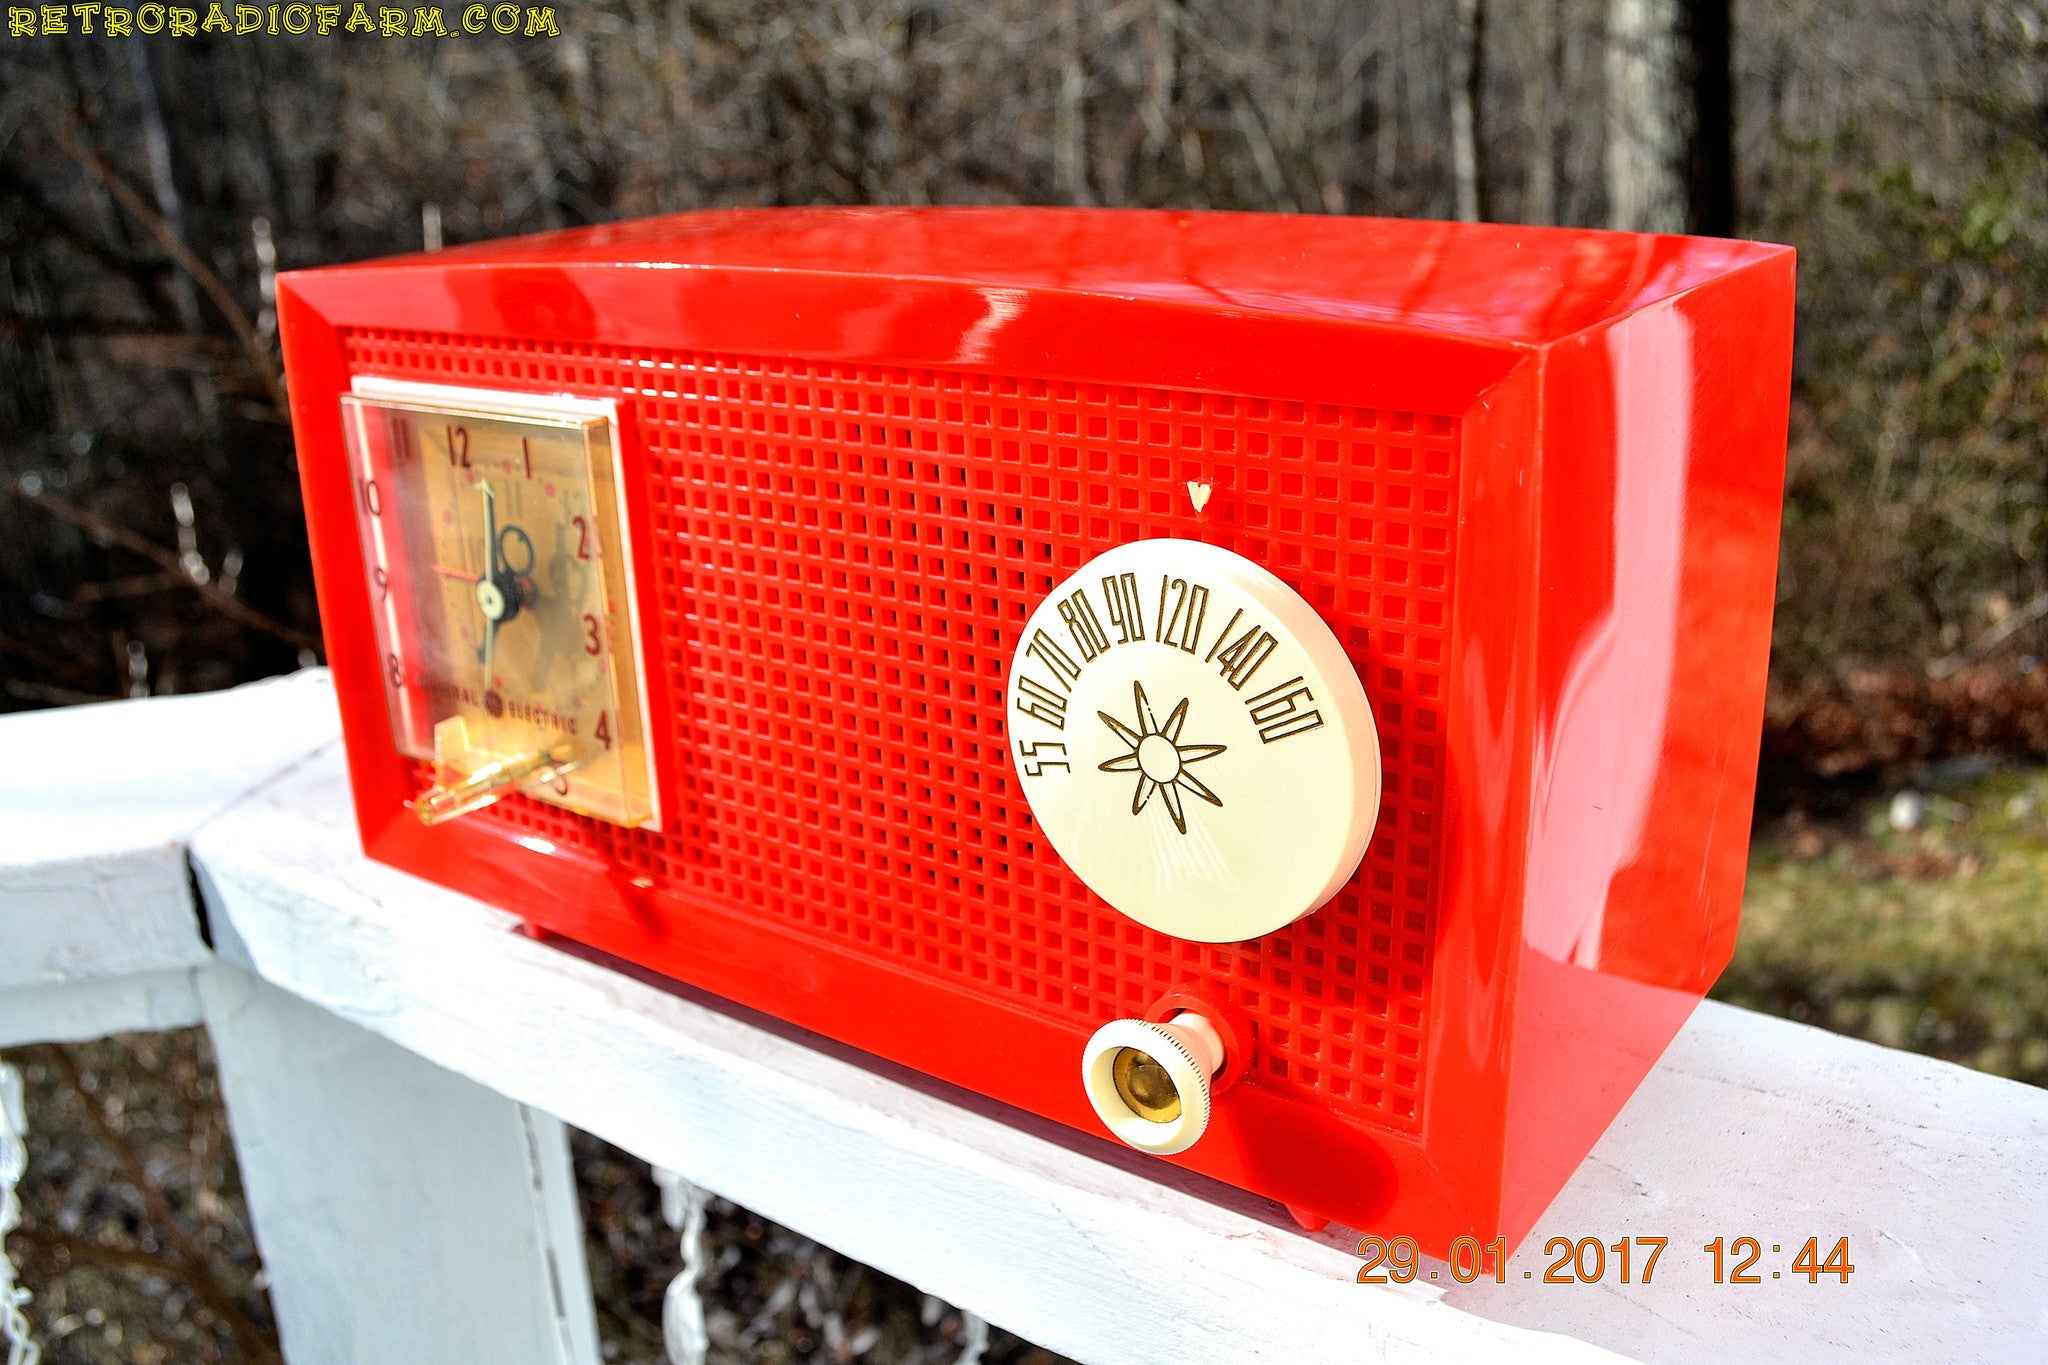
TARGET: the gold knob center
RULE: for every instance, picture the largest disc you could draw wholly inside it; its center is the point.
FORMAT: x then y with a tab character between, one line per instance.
1145	1086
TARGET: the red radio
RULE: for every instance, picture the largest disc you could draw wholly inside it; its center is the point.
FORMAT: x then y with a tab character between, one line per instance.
1283	691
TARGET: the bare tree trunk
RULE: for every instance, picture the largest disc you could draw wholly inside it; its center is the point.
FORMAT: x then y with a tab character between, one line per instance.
1468	73
1386	120
163	184
1646	134
1542	98
1070	151
1709	59
1162	36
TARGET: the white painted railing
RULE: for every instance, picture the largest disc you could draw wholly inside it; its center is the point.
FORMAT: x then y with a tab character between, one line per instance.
398	1064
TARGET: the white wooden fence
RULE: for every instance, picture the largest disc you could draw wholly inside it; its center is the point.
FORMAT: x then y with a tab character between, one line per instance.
398	1065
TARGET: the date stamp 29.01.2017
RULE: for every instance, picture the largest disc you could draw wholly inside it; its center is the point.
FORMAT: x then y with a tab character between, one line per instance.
1590	1260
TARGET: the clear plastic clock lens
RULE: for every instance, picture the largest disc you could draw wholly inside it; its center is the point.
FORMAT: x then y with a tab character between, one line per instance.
500	582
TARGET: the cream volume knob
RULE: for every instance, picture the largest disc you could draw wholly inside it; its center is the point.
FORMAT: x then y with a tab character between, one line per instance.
1150	1083
1193	741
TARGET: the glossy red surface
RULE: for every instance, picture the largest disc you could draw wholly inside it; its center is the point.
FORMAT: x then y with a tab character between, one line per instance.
1530	477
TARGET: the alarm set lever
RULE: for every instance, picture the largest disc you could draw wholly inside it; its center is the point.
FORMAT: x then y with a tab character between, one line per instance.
468	778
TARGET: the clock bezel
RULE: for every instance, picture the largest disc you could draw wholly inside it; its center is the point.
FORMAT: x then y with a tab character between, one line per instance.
569	410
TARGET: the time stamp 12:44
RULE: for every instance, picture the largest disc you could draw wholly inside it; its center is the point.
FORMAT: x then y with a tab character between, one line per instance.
1588	1260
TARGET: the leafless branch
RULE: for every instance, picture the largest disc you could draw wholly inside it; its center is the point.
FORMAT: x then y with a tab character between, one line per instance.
1949	665
106	531
215	288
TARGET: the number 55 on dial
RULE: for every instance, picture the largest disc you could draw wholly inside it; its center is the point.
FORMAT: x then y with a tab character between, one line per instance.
500	580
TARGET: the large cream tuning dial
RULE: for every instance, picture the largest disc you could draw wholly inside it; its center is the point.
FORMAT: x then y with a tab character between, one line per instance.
1150	1083
1193	741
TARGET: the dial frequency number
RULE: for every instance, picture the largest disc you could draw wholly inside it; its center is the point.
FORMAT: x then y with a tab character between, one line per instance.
1589	1260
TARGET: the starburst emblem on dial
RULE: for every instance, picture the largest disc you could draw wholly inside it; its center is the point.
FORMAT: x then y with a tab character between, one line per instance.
1159	759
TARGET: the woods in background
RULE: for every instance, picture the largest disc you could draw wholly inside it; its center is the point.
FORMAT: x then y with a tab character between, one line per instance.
150	188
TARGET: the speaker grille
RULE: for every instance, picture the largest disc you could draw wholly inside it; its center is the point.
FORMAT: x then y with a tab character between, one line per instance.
841	556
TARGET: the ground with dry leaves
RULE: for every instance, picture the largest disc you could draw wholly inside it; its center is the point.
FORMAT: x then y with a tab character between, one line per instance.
136	1240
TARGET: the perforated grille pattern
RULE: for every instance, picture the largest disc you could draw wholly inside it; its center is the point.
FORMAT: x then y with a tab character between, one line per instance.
841	556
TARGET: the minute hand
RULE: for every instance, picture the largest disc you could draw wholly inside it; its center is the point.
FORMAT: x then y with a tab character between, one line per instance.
490	596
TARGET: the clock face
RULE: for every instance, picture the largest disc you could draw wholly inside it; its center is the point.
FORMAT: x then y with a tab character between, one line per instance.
500	581
1193	741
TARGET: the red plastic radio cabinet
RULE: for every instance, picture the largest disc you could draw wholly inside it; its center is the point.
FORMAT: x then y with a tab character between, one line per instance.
1285	691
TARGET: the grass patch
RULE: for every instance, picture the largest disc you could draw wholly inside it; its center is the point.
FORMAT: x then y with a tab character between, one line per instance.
1932	938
